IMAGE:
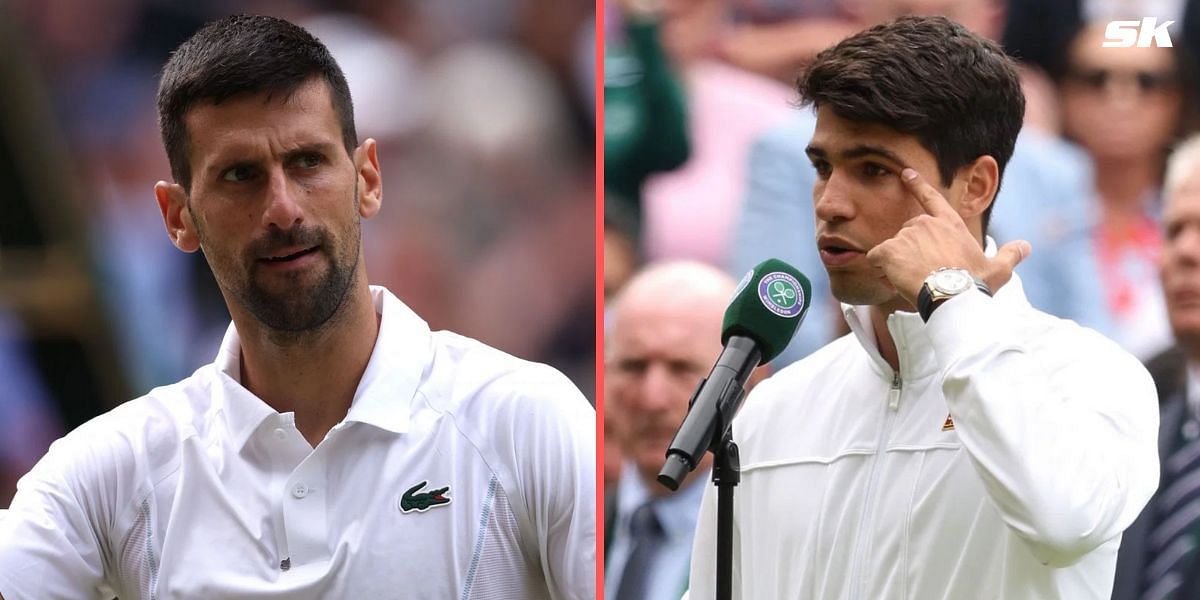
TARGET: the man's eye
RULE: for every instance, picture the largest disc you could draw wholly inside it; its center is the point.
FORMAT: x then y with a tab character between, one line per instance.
308	161
822	167
874	170
240	173
631	366
683	368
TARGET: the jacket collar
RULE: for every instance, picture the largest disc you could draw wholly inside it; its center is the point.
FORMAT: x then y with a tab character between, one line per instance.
917	359
403	351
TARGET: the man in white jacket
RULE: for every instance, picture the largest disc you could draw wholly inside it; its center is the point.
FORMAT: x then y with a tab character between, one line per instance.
975	449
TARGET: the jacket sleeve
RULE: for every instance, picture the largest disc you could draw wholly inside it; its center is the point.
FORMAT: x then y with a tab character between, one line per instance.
1060	424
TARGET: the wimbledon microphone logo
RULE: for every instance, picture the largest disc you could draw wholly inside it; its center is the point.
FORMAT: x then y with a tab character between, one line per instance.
781	294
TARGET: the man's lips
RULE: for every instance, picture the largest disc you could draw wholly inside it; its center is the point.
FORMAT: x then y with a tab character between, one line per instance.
657	434
836	251
1184	296
294	255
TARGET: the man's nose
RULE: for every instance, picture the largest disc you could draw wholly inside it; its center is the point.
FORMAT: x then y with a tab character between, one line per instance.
831	200
660	390
1185	248
283	211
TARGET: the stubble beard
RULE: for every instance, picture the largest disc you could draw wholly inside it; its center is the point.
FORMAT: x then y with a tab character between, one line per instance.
298	310
301	308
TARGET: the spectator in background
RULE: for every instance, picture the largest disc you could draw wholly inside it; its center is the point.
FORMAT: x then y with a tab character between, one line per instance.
774	38
1036	31
645	120
1046	189
520	188
777	37
621	258
166	310
1126	107
493	231
987	18
689	212
665	336
1158	558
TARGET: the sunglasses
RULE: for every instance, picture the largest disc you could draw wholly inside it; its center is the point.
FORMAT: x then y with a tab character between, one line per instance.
1147	81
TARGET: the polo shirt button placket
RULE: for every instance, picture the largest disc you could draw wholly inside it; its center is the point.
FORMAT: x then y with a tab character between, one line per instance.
299	491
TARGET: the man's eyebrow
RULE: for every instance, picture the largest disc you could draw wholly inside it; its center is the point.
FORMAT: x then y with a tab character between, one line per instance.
325	148
232	159
862	150
221	164
858	151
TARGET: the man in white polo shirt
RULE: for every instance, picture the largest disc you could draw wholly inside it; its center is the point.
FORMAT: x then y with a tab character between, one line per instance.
336	448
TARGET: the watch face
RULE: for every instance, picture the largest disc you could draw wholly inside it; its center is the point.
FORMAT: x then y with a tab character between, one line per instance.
951	281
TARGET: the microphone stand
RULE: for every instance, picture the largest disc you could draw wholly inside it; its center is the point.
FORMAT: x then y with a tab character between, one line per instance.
715	435
726	473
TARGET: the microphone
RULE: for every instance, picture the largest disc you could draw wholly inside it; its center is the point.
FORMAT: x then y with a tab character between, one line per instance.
768	306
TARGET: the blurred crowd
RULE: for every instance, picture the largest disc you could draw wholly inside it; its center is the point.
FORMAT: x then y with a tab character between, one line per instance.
705	161
484	114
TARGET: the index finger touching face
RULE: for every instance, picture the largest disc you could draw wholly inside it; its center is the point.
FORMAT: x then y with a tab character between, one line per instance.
930	198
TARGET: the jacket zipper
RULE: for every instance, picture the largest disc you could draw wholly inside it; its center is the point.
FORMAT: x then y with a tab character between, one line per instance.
868	518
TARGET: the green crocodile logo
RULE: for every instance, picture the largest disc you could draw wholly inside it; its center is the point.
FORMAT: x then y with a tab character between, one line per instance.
423	501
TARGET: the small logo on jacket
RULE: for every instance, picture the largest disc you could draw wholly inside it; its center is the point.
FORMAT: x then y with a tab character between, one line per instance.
949	424
423	501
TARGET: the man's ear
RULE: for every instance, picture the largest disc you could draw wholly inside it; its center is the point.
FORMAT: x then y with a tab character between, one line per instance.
177	217
982	180
370	180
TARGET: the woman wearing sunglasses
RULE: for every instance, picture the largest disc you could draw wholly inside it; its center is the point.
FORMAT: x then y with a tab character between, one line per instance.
1127	107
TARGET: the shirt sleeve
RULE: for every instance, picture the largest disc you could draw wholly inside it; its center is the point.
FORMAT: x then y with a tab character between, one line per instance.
1060	424
53	538
555	452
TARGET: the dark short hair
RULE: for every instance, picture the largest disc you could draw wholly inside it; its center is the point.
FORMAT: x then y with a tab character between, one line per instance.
238	55
956	92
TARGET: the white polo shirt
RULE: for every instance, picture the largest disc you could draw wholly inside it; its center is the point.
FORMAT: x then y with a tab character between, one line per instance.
459	472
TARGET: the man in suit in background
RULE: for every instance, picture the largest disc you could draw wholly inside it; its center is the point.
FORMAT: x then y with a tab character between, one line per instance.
1158	557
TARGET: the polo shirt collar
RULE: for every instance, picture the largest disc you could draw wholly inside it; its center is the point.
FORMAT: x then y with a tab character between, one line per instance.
242	411
403	350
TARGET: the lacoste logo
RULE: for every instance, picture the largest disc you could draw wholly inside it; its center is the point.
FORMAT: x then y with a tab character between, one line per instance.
949	424
423	501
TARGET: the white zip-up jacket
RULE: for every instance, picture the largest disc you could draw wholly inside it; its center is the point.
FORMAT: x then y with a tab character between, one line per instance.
1002	461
